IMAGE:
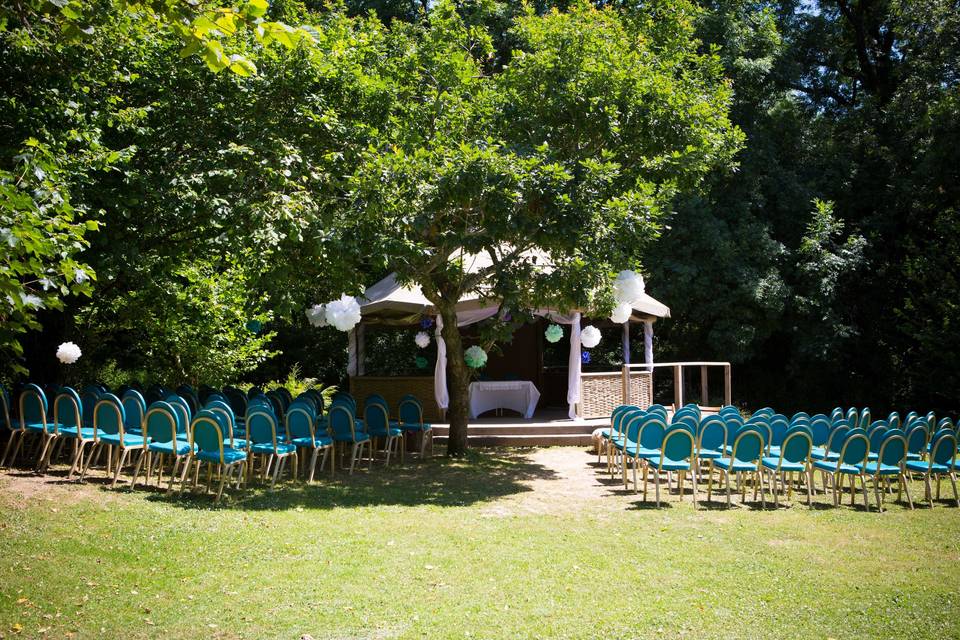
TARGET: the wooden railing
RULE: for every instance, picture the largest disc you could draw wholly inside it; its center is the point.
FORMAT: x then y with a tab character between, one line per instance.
678	379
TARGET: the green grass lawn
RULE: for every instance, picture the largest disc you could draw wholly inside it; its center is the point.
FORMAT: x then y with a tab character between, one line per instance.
505	544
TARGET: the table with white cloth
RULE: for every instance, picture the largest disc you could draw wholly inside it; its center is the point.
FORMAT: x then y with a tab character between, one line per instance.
520	395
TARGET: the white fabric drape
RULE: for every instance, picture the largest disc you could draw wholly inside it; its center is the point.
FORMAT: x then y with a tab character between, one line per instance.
440	371
352	352
648	343
361	350
573	367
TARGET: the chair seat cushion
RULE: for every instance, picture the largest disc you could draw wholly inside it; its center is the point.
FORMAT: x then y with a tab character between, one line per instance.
728	464
773	451
641	452
86	433
659	462
229	455
605	432
345	437
38	426
282	449
319	441
885	469
819	453
922	466
772	462
129	440
709	454
393	433
832	467
181	448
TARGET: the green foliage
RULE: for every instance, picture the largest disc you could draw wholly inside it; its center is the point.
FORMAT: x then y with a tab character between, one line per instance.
296	384
40	237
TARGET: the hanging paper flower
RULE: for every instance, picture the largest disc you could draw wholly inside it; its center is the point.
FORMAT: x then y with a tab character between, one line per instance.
590	337
553	333
344	314
507	317
421	362
68	353
585	357
426	323
422	339
317	315
621	312
254	326
475	357
628	286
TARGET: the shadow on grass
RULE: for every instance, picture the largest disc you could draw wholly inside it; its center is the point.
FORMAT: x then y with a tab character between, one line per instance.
480	476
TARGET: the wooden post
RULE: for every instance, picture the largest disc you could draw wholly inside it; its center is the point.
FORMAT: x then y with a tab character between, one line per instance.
625	374
626	343
704	386
677	386
727	383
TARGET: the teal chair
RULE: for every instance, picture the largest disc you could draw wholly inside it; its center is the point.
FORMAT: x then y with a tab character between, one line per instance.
607	432
302	428
941	462
631	425
34	421
209	447
134	409
617	439
262	432
792	457
166	437
889	462
917	438
109	434
650	430
184	413
379	428
831	449
70	420
676	455
744	457
850	463
343	427
410	419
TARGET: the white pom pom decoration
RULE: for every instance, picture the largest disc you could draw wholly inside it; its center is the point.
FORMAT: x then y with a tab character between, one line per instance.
621	312
317	316
422	339
344	314
628	286
475	357
68	353
590	337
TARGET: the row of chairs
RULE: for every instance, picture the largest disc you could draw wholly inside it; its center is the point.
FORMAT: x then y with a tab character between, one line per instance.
169	430
780	449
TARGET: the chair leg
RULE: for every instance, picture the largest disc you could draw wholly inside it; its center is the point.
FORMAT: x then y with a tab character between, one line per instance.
76	459
121	459
727	477
656	479
757	479
223	479
876	494
313	464
863	486
773	490
14	436
810	488
276	469
47	441
173	472
953	483
139	465
710	482
693	481
353	456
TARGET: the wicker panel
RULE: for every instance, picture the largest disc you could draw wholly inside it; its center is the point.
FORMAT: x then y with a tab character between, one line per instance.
393	388
600	393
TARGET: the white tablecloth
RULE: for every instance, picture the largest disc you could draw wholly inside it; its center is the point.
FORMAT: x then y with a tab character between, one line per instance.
519	395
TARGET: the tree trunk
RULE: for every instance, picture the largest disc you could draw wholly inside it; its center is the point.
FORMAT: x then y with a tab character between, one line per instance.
458	384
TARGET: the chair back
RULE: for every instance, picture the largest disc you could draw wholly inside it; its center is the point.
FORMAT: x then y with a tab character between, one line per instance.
228	421
876	436
410	411
855	448
262	427
864	418
820	429
342	423
893	448
778	431
108	416
916	439
88	400
650	434
68	409
206	434
713	434
33	407
237	400
677	445
689	420
748	446
134	408
893	420
376	419
182	411
944	449
945	422
836	438
375	398
796	445
301	421
161	423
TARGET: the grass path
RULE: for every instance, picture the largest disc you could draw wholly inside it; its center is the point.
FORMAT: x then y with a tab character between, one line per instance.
524	544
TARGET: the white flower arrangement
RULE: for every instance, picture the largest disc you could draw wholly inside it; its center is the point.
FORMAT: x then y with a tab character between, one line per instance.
344	314
628	286
317	315
422	339
68	353
621	313
590	337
